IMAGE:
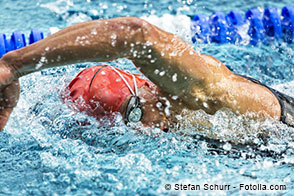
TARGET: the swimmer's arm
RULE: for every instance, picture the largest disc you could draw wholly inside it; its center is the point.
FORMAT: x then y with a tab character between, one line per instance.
200	81
98	40
151	49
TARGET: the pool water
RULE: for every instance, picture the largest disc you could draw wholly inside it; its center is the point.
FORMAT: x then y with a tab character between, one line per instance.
45	150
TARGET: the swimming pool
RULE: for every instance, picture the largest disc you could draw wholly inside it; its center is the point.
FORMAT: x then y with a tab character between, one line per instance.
45	152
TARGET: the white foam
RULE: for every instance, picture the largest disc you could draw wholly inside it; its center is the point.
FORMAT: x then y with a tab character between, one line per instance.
78	18
179	24
53	30
59	7
287	88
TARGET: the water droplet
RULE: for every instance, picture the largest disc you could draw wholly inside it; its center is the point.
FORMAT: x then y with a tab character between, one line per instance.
94	32
175	97
162	73
205	105
227	146
113	36
174	77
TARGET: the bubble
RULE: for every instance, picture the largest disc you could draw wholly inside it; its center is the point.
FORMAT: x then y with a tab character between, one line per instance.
227	146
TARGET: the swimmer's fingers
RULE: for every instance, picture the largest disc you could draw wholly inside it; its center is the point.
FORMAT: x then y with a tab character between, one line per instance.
9	96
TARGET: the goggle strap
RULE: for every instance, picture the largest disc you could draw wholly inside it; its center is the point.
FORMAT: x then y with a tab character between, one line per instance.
135	85
123	78
95	76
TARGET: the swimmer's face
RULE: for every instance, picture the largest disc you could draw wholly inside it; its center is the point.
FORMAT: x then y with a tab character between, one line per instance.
153	108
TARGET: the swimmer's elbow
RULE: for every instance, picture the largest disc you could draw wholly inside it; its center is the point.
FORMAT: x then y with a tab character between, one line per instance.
144	28
138	23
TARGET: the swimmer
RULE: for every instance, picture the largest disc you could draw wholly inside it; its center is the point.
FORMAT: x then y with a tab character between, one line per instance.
180	77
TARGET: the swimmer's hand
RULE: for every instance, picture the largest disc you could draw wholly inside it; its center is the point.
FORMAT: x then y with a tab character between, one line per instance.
9	93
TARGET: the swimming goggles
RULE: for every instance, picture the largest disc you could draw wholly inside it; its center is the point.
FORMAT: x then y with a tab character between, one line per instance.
134	111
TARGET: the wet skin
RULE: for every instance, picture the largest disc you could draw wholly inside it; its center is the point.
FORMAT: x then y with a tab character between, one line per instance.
202	82
153	107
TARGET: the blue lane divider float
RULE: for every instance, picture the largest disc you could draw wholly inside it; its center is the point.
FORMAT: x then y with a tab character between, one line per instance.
272	23
200	26
2	44
35	36
288	23
17	40
256	30
221	28
234	20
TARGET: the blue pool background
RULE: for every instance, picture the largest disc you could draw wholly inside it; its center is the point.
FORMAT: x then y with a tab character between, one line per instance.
45	152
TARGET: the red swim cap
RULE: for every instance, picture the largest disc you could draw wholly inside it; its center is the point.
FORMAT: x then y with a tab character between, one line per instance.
107	91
